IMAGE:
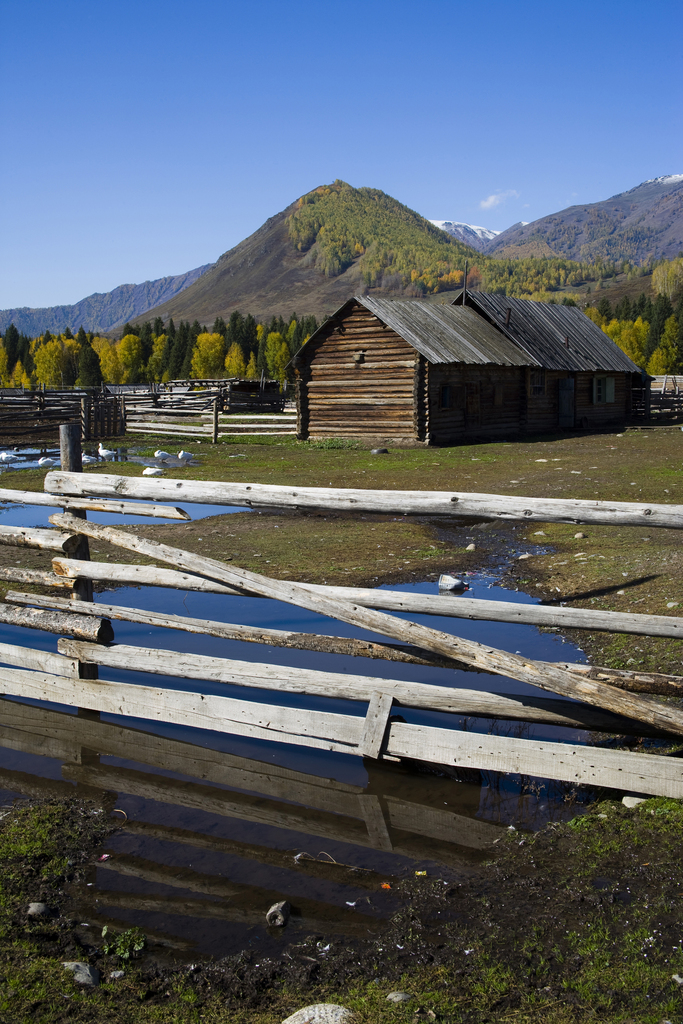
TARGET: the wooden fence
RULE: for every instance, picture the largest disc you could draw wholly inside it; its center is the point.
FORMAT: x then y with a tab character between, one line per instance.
40	412
208	408
583	697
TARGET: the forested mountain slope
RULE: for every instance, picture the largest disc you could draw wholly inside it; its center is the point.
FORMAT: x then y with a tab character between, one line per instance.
337	241
643	224
102	311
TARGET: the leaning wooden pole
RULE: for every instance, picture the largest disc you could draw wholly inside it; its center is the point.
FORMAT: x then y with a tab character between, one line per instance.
543	675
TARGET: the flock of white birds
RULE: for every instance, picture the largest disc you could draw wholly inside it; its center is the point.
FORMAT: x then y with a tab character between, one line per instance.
7	458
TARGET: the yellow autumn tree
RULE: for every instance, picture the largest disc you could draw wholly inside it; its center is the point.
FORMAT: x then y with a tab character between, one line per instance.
49	362
153	370
277	355
666	358
207	357
631	337
110	364
4	368
234	361
667	279
592	313
252	370
130	357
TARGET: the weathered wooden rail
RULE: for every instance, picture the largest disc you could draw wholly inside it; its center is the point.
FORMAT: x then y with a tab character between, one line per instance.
599	699
37	412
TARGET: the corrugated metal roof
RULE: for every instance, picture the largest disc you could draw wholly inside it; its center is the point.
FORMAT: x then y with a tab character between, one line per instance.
447	334
542	328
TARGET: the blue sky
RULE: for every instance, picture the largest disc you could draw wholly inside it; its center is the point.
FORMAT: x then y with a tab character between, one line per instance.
146	138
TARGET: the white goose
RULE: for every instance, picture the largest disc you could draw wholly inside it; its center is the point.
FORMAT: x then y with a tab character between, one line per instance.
89	460
152	471
185	456
8	457
162	455
46	463
105	453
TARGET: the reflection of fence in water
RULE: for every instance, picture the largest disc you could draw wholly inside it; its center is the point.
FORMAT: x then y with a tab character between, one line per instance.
320	810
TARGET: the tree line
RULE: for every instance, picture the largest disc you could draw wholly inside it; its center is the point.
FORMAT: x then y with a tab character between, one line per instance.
149	352
649	331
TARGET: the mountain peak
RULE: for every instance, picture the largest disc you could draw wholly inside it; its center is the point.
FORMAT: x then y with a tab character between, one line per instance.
471	234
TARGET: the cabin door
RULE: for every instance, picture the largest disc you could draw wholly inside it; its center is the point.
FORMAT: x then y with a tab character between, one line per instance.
472	407
566	403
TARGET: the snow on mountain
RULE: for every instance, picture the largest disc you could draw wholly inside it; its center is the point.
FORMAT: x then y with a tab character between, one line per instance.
471	234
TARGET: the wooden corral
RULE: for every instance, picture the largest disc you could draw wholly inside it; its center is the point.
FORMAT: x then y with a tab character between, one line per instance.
609	701
484	367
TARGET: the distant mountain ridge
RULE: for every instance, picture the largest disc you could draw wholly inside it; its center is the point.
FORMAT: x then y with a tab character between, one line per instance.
641	224
470	234
102	311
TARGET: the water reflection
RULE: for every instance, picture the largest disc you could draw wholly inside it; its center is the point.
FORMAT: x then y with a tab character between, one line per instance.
213	837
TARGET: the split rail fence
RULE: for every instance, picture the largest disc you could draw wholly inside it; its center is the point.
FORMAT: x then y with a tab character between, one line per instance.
39	412
208	408
580	697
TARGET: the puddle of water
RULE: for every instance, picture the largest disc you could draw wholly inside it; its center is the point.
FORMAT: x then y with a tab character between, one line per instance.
216	821
38	515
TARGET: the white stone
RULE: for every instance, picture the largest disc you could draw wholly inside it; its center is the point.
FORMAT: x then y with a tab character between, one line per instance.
38	910
580	536
321	1013
471	547
399	997
83	973
633	801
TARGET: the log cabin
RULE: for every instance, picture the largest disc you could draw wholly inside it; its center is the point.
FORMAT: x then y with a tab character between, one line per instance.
484	367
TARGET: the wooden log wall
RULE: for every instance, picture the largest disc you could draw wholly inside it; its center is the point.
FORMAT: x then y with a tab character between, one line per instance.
591	414
373	394
484	401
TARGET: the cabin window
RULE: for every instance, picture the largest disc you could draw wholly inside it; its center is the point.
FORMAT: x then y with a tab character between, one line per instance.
537	382
446	397
603	390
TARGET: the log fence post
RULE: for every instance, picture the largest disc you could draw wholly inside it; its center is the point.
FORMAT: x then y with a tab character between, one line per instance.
72	456
214	423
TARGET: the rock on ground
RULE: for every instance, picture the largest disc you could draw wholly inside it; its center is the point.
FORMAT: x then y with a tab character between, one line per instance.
321	1013
399	997
83	973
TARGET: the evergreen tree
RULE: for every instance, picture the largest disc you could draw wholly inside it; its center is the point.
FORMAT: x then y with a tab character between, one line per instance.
165	364
642	308
662	310
158	327
67	333
623	309
89	368
219	326
11	343
178	346
82	338
129	329
605	309
147	341
249	340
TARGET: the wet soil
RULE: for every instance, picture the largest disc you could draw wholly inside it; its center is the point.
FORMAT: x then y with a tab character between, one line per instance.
579	922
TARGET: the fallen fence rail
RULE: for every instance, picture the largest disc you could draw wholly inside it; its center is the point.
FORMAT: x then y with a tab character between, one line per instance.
426	503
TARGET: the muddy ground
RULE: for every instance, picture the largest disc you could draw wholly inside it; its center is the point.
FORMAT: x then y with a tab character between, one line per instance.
581	922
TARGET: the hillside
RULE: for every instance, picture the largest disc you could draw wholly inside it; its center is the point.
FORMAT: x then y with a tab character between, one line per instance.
337	241
639	225
102	311
330	244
